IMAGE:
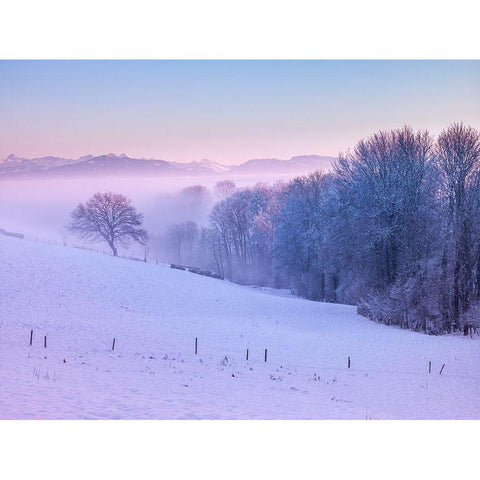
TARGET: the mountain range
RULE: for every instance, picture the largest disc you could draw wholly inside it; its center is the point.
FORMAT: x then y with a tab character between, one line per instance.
122	165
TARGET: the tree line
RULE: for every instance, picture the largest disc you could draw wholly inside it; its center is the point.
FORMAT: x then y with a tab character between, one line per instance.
394	229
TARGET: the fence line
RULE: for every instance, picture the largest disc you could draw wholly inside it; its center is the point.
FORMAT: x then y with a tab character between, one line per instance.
205	350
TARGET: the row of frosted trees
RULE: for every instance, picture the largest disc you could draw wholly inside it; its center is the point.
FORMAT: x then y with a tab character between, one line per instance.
394	229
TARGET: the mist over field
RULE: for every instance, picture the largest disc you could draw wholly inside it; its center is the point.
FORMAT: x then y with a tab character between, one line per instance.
40	208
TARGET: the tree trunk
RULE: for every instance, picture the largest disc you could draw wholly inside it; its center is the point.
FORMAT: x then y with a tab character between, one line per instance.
477	280
456	295
114	249
322	287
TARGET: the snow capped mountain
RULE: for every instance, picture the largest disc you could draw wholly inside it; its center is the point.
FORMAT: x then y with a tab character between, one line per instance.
123	165
13	165
85	157
203	166
112	164
309	160
300	164
12	159
258	165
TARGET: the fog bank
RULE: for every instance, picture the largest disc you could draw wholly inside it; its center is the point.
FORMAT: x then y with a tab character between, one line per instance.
40	208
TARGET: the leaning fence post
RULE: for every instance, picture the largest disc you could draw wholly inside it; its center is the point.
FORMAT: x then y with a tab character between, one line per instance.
441	370
113	344
31	336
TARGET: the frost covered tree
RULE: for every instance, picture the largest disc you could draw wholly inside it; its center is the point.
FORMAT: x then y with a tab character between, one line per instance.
458	160
242	225
386	182
108	217
181	240
395	229
388	190
194	202
229	218
224	188
301	248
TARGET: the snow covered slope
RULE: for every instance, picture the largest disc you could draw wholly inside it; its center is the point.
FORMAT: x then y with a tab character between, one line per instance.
81	300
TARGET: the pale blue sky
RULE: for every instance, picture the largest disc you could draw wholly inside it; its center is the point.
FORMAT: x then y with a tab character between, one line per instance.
226	111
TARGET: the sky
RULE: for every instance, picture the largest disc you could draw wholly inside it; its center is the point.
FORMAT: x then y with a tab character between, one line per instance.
225	111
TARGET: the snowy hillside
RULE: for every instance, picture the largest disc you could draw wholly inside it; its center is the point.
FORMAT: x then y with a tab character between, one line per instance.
82	300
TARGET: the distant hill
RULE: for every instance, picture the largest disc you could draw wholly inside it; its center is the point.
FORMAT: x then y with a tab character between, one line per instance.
300	164
13	165
112	164
122	165
202	167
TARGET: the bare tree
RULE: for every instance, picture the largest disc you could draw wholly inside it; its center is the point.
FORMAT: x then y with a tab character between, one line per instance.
181	238
224	188
110	217
243	239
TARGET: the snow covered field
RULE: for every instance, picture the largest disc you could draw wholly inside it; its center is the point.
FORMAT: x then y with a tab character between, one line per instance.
81	300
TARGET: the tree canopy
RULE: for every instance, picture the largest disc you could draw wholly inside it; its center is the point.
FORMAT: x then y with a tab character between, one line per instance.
109	217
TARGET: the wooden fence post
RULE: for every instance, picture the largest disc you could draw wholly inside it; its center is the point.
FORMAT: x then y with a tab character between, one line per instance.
31	336
196	345
113	344
265	354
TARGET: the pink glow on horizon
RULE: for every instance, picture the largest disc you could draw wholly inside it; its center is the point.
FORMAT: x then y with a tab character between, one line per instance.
227	112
